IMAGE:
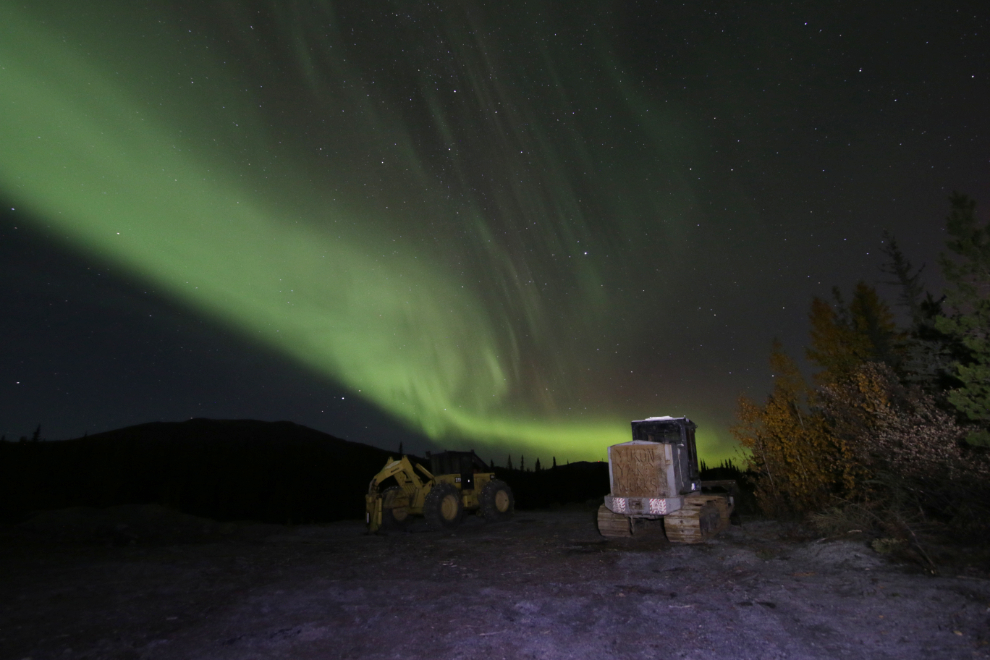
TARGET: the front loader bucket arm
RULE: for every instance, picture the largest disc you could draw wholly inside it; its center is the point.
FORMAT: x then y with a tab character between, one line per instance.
373	499
404	474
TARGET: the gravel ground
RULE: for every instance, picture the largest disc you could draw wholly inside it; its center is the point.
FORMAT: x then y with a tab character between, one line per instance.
143	582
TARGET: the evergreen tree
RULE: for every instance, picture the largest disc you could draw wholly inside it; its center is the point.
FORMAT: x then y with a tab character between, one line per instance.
522	462
400	449
508	462
537	464
908	278
927	352
966	268
554	466
37	434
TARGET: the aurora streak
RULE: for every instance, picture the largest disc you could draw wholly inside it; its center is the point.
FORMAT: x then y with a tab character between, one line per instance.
442	222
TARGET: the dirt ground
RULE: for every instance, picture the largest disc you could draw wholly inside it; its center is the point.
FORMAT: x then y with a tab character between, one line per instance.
143	582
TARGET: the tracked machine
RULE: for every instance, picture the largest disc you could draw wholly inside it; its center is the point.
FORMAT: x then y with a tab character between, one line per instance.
656	485
459	482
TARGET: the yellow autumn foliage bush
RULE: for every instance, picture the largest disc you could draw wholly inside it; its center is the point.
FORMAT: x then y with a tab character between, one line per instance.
800	464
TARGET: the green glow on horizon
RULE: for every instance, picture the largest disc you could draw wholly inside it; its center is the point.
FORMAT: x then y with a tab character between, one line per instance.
328	281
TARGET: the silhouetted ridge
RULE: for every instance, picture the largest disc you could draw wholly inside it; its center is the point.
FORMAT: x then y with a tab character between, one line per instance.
222	469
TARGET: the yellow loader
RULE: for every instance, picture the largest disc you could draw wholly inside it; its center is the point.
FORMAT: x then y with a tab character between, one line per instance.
460	482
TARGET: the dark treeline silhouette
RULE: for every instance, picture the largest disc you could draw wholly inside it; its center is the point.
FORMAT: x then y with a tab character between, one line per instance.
727	469
575	482
585	482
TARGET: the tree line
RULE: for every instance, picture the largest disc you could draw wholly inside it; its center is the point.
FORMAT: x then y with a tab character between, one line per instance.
892	430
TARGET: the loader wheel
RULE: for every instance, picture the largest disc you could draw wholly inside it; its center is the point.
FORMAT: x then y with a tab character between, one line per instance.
497	501
393	518
443	507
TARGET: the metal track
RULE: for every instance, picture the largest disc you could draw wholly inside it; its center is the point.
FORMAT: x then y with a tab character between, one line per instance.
612	524
701	517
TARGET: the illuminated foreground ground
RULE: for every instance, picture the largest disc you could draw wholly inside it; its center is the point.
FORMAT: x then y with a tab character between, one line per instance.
155	585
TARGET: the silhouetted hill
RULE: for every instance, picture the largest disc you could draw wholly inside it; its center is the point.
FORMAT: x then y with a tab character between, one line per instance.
222	469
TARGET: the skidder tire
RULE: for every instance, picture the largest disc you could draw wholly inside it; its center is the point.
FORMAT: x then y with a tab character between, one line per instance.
442	507
497	501
394	518
613	525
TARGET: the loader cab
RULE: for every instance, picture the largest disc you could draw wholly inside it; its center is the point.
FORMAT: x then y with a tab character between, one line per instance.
462	463
679	433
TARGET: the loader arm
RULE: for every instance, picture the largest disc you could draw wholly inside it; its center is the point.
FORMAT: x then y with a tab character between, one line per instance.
405	476
403	472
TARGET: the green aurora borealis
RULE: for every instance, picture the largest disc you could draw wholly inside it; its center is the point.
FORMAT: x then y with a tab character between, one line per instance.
483	221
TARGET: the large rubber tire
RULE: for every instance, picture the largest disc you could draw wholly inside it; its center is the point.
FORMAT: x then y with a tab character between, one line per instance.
393	519
497	501
443	507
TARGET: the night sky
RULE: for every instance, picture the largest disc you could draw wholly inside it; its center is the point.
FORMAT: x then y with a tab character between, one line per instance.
507	226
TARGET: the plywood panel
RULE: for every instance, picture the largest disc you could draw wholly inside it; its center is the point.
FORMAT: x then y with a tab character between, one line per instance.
638	470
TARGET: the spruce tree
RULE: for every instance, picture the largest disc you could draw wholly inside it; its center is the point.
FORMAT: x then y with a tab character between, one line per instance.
928	354
966	268
908	278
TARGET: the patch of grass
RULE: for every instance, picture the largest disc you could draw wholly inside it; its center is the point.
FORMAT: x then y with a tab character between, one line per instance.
887	545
